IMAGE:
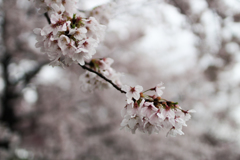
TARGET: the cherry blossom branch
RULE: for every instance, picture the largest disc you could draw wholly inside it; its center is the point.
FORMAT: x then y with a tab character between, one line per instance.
74	39
103	77
91	70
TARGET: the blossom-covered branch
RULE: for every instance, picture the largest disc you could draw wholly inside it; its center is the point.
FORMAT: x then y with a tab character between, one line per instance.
92	69
71	37
151	113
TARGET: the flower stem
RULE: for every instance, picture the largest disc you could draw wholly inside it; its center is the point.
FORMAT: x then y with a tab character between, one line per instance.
103	77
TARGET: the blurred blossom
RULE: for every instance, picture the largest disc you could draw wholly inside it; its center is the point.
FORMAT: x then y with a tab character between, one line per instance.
22	154
30	95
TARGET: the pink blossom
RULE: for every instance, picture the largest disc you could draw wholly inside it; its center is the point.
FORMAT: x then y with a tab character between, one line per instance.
67	46
148	109
132	92
168	113
174	132
95	29
159	89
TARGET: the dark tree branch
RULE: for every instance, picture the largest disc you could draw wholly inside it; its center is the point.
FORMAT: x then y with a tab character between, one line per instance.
9	93
7	115
103	77
5	62
5	144
47	17
27	77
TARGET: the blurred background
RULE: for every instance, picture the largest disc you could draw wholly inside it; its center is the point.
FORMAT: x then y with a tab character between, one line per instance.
190	45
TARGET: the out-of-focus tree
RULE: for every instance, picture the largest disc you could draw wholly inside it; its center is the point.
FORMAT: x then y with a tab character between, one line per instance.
192	46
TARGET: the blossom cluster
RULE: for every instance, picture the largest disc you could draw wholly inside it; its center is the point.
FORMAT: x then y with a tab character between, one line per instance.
90	81
52	6
151	113
102	13
69	38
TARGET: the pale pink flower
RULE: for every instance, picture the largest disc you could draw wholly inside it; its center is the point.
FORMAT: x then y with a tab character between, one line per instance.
148	128
58	23
174	132
70	6
88	44
130	123
78	33
103	13
132	92
133	109
44	41
67	46
54	52
95	29
168	112
57	62
105	63
156	118
179	118
148	109
59	9
40	39
80	56
159	89
168	123
187	114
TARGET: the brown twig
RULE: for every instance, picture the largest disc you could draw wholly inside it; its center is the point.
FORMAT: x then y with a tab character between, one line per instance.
47	17
103	77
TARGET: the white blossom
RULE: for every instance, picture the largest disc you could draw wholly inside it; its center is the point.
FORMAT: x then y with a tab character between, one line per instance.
151	114
174	132
78	33
148	109
168	113
159	89
95	29
103	13
132	92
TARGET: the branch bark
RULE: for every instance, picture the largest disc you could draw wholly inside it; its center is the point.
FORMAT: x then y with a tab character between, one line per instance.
103	77
7	115
27	77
